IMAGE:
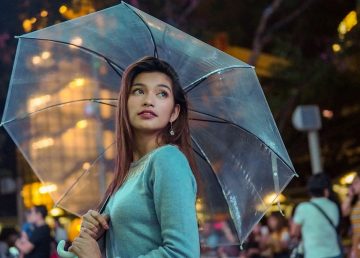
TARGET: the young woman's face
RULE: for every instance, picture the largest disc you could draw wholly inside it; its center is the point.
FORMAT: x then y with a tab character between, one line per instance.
151	103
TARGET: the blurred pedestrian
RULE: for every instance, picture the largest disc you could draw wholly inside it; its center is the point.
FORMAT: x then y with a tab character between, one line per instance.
38	244
59	231
351	206
279	237
317	220
27	226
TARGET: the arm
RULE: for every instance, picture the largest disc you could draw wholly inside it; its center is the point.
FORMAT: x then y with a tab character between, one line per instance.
174	192
297	221
295	230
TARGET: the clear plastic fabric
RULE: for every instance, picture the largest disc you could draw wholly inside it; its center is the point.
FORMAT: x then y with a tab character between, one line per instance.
61	103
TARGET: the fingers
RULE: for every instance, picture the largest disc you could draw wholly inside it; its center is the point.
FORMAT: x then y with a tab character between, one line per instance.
95	218
84	246
93	233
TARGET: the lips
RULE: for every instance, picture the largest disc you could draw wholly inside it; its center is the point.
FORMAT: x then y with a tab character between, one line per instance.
147	114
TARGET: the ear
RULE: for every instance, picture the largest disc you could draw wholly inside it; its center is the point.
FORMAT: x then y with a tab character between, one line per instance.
175	113
326	193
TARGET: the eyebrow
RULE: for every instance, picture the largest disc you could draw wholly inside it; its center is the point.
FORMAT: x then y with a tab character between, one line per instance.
159	85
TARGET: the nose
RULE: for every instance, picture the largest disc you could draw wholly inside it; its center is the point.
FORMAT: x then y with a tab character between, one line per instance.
148	100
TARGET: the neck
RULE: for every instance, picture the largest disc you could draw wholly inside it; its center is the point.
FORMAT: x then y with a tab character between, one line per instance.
144	143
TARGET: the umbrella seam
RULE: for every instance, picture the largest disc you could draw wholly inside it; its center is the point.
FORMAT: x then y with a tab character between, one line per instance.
82	174
192	85
147	26
238	126
108	60
56	105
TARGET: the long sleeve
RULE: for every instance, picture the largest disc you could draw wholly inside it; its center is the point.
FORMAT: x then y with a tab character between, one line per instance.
174	193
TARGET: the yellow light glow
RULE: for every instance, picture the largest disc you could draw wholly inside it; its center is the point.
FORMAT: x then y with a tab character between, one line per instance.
336	47
199	205
347	23
45	55
63	9
55	212
342	28
36	60
271	198
82	124
33	20
76	41
32	196
43	143
327	113
44	13
341	190
76	83
44	189
350	20
86	165
38	102
348	178
109	137
74	229
27	25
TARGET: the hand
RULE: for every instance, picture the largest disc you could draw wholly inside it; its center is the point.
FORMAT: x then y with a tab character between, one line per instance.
24	235
351	192
95	223
85	246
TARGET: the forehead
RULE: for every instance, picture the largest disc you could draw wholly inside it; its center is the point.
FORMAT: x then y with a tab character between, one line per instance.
152	79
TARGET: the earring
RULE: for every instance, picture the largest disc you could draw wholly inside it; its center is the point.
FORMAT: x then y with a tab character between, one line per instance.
172	133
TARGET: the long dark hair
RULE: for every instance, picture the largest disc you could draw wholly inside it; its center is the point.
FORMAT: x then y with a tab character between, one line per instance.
124	133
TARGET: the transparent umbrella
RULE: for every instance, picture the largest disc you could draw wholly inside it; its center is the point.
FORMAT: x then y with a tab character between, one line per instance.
61	104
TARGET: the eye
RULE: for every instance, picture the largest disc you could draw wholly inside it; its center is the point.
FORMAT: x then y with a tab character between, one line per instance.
163	94
137	91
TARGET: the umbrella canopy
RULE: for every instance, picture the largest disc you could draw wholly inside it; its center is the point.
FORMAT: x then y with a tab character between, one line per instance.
61	103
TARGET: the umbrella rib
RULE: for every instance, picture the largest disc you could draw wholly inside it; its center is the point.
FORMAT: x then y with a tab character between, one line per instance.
96	100
207	120
195	83
202	155
147	26
222	120
82	174
108	60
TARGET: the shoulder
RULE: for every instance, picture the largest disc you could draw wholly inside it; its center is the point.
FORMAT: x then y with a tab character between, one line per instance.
300	212
170	163
169	155
302	206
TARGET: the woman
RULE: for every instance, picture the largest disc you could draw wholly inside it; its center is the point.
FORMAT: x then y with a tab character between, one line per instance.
351	207
151	208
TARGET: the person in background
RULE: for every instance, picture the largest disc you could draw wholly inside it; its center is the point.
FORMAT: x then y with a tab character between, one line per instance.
59	231
279	237
318	235
27	227
351	207
38	244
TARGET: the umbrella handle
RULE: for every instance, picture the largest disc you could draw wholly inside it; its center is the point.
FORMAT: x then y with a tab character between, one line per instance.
61	251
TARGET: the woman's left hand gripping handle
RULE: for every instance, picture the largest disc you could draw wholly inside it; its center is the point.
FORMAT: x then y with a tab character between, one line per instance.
61	251
93	226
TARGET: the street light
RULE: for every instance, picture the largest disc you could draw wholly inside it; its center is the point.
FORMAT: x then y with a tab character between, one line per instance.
306	118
